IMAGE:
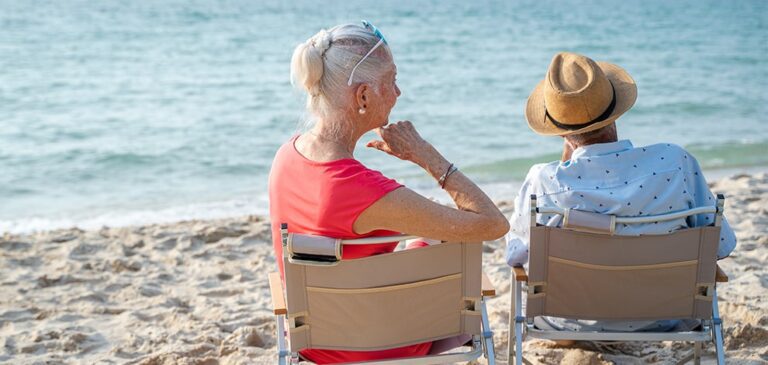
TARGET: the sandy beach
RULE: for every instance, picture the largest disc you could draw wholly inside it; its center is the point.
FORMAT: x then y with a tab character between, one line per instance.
196	293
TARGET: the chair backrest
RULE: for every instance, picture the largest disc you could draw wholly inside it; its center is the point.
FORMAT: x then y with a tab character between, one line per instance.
585	272
384	301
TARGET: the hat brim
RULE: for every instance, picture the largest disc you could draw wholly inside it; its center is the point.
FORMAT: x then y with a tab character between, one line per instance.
626	95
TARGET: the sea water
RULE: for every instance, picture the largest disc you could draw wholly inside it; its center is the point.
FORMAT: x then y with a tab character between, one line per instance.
119	113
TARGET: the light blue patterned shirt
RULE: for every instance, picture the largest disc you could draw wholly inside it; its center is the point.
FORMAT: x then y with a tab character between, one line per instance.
617	178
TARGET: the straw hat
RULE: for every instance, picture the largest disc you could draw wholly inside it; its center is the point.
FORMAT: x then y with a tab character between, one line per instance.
579	95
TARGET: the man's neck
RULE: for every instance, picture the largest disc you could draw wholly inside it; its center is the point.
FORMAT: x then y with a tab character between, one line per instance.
597	141
570	146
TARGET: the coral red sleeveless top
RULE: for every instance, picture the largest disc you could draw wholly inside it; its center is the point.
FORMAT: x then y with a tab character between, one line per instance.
325	198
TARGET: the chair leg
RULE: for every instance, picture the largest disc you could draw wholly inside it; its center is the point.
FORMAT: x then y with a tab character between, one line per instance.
718	329
512	326
697	353
685	360
518	323
282	353
487	334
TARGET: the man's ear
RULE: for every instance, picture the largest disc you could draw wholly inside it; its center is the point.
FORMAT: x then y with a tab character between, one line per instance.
565	142
567	149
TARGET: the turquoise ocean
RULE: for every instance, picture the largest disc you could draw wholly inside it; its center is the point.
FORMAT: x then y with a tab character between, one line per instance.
121	113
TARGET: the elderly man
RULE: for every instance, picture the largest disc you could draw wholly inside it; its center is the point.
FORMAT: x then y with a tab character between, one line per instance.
580	100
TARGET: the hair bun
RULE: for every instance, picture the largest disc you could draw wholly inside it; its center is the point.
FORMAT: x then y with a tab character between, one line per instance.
321	41
307	63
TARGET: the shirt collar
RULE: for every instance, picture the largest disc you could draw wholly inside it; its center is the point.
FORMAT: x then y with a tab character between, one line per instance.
601	149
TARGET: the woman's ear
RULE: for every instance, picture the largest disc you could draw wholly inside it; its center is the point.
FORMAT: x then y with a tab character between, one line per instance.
362	96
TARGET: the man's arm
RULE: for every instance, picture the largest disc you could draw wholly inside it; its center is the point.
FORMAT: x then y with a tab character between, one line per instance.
517	238
700	196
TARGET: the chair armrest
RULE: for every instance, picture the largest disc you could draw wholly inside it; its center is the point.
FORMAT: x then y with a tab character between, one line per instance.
276	289
520	274
720	275
488	289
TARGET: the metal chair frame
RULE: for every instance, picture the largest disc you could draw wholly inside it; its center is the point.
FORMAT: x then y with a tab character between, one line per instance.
481	345
521	326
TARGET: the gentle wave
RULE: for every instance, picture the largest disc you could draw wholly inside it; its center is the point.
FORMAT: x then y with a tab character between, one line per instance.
250	205
500	180
721	156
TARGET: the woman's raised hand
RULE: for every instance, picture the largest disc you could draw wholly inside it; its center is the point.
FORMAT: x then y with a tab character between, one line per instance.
403	141
403	210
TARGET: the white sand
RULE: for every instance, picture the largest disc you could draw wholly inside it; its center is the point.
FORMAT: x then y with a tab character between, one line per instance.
196	293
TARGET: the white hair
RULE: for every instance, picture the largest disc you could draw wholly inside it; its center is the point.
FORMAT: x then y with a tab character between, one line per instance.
321	66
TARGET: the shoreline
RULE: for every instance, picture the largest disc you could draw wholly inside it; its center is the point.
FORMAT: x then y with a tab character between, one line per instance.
499	191
196	292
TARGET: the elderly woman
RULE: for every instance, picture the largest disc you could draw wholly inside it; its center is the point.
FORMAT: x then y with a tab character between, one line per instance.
318	187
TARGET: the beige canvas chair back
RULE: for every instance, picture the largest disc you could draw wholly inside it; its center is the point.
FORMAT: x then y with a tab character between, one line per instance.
584	275
385	301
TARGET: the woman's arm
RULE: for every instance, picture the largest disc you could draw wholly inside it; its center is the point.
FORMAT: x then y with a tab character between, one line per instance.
403	210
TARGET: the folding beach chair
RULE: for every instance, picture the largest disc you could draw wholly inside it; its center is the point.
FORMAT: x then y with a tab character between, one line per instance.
381	302
583	271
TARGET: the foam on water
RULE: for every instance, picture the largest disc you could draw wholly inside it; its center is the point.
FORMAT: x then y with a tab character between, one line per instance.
255	204
500	180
